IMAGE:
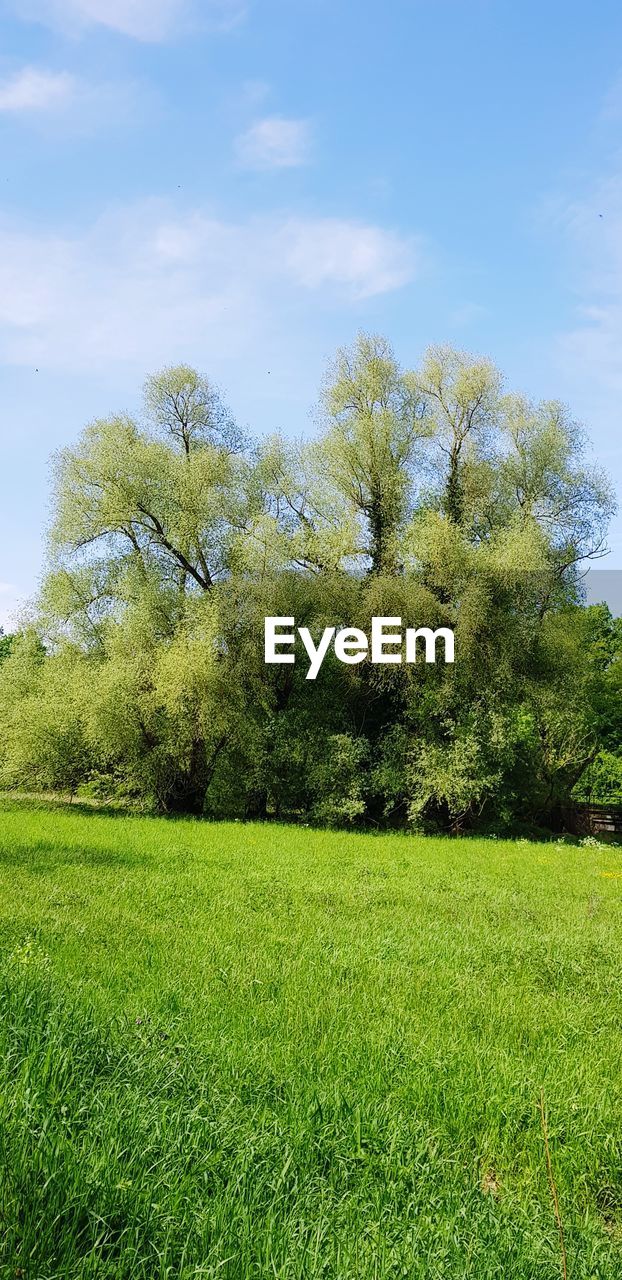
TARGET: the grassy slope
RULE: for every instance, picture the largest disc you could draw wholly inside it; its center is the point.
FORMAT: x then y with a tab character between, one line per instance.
240	1051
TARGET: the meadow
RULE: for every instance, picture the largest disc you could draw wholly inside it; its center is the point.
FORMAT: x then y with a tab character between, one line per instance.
239	1051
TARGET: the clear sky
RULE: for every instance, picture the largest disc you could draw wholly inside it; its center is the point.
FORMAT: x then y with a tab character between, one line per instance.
243	184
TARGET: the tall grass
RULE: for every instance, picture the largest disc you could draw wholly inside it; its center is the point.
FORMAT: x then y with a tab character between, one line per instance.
231	1051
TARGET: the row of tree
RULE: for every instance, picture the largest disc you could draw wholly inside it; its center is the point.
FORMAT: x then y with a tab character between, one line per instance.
432	495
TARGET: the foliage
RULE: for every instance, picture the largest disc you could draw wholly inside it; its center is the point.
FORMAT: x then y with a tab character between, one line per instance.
602	781
429	494
6	644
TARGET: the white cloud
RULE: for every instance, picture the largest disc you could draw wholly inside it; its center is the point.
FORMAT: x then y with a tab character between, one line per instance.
274	143
365	260
149	20
54	100
32	90
145	284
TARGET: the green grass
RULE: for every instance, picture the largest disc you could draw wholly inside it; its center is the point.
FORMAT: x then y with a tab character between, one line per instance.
257	1051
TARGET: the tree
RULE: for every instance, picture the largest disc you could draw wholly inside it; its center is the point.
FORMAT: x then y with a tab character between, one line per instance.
40	706
6	644
189	411
371	444
163	499
430	494
460	399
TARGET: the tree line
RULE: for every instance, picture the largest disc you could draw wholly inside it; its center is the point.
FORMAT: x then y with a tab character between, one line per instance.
432	494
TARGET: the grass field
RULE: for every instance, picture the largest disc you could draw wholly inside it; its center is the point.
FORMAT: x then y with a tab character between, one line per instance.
256	1051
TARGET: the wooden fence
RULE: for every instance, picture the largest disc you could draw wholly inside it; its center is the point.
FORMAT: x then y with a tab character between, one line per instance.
599	819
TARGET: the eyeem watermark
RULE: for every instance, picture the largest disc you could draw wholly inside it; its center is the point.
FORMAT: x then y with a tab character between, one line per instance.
352	645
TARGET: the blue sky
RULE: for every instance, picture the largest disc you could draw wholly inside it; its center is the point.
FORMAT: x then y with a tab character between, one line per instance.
243	184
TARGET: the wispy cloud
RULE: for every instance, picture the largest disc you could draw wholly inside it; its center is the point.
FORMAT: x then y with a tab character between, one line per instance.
30	90
593	231
466	314
274	143
56	101
364	260
148	20
145	284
